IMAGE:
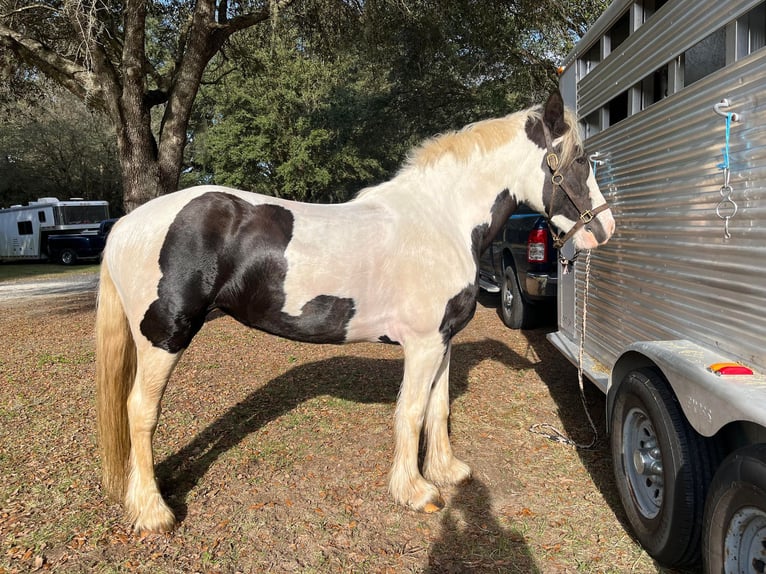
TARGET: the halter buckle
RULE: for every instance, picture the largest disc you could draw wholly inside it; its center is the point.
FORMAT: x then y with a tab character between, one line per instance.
557	179
587	216
552	159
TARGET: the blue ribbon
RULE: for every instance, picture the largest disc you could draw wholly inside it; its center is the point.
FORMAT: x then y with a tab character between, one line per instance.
725	164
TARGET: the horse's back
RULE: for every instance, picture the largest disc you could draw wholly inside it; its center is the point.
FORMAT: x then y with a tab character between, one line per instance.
270	263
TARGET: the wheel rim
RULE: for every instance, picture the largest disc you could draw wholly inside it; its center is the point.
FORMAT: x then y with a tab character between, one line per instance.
745	543
508	299
642	459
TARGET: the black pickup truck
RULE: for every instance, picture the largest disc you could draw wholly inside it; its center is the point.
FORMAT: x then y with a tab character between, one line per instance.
522	264
70	248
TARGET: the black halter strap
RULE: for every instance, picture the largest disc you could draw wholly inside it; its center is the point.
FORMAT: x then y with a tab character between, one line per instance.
557	182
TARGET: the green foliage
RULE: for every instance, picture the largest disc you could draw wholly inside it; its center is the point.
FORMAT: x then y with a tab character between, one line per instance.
291	124
331	99
322	100
51	146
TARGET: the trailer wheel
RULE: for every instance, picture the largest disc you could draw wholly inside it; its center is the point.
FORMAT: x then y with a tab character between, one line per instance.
735	514
662	467
68	257
514	311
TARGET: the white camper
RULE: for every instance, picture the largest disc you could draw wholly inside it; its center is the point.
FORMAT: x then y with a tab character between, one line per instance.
24	228
671	313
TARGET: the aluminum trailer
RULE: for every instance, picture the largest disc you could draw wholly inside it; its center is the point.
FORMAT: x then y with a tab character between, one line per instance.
24	229
671	95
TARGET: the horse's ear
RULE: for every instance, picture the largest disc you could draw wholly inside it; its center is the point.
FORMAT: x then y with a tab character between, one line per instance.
553	115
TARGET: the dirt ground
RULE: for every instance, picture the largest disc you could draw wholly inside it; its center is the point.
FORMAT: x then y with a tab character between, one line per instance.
274	456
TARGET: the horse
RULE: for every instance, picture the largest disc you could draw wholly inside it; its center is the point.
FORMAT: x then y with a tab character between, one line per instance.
396	264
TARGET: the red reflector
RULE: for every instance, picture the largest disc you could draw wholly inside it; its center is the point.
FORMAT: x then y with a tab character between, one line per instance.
730	369
537	246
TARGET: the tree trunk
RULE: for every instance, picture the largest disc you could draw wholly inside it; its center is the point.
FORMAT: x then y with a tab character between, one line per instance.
113	76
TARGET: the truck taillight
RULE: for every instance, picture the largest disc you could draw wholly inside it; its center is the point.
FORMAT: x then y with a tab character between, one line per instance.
537	246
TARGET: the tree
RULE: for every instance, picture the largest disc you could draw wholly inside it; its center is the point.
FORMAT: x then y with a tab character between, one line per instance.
52	146
128	59
404	69
336	100
290	123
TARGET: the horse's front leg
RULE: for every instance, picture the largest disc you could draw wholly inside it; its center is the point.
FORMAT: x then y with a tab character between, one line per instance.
423	361
440	465
143	501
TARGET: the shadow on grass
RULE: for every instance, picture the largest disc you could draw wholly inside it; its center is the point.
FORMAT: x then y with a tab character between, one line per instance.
482	540
560	376
345	377
473	540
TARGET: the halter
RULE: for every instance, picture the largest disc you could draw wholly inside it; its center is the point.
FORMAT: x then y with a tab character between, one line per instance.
557	181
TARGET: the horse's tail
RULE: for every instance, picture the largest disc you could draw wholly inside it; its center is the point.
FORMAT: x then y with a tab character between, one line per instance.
115	372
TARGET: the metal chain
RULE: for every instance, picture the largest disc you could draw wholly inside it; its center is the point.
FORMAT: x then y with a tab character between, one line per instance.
727	207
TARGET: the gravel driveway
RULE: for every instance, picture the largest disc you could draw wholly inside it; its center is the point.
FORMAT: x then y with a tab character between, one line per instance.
71	284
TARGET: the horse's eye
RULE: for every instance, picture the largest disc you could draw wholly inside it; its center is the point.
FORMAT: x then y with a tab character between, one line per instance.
581	160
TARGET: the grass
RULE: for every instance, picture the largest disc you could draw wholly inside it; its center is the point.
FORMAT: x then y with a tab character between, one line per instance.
16	271
275	457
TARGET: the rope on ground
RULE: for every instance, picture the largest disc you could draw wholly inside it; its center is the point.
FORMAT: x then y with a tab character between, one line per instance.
548	430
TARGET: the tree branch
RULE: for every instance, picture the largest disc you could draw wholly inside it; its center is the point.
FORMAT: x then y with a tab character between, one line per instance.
70	74
22	9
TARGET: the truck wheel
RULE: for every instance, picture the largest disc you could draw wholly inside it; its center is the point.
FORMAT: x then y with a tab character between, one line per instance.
662	467
68	257
735	514
514	311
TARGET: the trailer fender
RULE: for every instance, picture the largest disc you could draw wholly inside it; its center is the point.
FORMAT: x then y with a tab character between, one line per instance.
708	401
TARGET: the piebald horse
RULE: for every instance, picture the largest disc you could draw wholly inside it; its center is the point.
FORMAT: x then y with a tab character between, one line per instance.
397	264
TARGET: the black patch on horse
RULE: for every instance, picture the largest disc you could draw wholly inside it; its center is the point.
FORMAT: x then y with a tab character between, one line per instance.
223	253
458	312
460	309
501	210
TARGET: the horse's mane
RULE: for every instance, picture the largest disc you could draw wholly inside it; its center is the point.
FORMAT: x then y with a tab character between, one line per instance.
486	135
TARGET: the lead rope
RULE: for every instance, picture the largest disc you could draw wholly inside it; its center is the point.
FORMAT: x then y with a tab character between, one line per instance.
727	207
548	430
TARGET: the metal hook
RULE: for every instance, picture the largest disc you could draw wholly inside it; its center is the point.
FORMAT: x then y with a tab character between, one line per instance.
594	158
724	103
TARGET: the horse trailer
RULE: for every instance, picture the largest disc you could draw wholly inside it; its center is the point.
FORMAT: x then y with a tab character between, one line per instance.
667	319
24	229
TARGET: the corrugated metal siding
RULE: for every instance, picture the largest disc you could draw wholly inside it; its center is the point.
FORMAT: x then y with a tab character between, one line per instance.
668	273
662	38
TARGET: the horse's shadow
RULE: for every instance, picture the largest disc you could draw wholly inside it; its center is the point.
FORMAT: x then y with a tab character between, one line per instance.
345	377
472	539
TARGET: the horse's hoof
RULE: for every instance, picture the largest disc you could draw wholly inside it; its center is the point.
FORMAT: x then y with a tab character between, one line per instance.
432	507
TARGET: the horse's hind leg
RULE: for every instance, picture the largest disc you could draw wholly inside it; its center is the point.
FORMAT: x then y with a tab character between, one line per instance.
440	465
423	361
143	501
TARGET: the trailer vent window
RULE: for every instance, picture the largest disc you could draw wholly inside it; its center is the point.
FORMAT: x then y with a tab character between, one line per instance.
654	87
751	31
41	216
25	227
619	32
592	123
651	6
618	108
705	57
590	60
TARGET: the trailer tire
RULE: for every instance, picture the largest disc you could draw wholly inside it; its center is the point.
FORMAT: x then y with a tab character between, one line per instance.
68	257
515	312
735	514
662	467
